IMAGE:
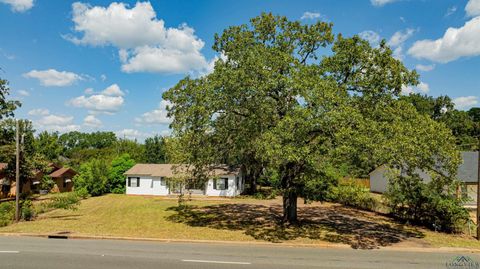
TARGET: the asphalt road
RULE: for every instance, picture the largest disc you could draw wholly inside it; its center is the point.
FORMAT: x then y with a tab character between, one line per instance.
38	253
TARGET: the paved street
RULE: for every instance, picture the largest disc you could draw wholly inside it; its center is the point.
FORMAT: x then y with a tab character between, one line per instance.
25	252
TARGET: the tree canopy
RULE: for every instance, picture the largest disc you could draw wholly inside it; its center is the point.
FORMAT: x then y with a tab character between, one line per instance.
278	98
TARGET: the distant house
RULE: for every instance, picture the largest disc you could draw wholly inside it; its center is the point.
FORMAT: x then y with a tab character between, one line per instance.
467	173
62	177
153	179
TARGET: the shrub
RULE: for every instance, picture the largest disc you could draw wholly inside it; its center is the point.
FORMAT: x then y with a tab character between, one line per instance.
351	194
116	179
82	193
68	200
7	213
266	193
27	212
47	183
93	176
430	204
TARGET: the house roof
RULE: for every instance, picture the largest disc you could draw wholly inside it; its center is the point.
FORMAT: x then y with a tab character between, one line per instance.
168	170
61	171
468	169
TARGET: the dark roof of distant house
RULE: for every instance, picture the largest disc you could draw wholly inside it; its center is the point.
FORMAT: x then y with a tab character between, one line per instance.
468	169
61	171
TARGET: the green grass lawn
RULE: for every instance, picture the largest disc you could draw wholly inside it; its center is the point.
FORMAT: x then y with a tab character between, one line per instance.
232	220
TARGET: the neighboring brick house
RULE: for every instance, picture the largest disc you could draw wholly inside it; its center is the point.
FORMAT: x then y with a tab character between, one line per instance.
62	176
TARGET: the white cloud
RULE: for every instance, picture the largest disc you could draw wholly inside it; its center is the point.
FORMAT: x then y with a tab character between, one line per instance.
52	77
55	120
131	134
473	8
103	77
57	123
371	36
161	60
465	102
89	91
425	68
92	121
451	10
422	87
108	101
113	90
455	43
398	53
400	37
23	93
310	15
157	116
379	3
38	112
50	122
406	90
156	49
19	5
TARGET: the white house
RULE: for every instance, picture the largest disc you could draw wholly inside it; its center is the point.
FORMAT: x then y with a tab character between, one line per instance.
467	173
152	179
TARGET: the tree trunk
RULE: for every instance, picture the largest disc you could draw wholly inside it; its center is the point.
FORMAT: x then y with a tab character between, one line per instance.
289	194
290	206
253	185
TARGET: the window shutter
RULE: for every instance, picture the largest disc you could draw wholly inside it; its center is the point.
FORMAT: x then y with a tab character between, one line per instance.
214	184
226	183
138	182
129	183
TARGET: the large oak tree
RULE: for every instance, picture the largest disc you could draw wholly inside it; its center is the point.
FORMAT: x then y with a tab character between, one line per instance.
298	100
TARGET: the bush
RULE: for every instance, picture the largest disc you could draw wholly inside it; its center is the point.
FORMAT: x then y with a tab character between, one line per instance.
93	176
68	200
432	204
82	193
7	213
27	212
351	194
266	193
47	183
116	179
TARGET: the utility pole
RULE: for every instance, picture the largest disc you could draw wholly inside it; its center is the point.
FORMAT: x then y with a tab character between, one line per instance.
478	191
17	172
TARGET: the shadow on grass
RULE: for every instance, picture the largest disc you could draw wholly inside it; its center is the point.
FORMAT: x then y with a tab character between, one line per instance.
65	217
335	224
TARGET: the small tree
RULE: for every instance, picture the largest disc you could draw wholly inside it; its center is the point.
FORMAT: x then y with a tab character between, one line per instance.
155	149
93	176
116	178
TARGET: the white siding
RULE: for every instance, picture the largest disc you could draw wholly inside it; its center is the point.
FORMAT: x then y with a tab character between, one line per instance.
378	180
230	192
148	186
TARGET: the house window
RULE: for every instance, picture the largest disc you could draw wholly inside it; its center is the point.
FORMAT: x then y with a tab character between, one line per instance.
133	181
163	181
220	184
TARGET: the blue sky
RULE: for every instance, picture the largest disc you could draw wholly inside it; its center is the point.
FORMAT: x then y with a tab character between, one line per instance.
98	65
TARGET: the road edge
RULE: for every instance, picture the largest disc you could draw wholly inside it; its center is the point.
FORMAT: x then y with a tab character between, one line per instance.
223	242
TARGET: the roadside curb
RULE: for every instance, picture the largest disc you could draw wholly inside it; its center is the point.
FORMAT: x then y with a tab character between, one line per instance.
253	243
